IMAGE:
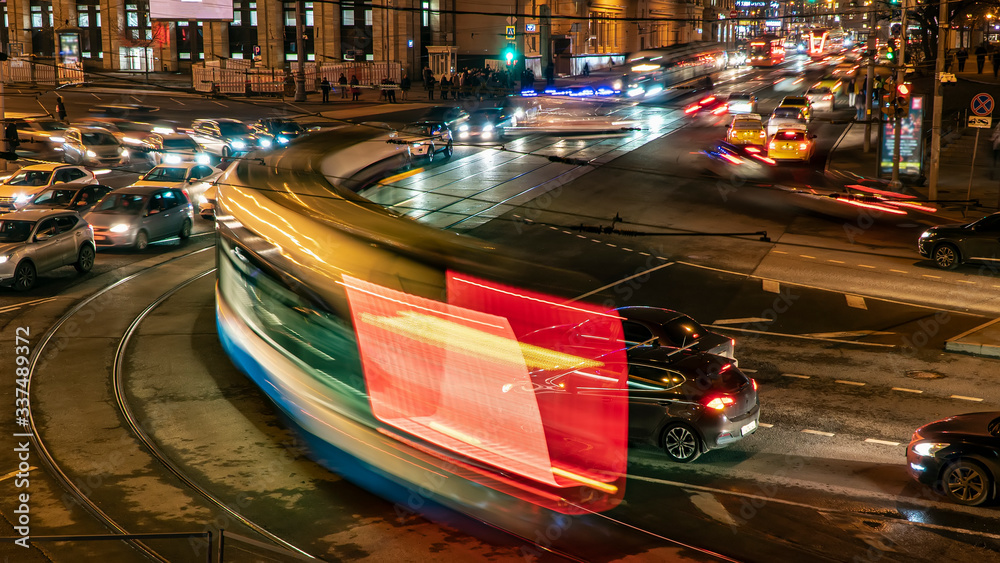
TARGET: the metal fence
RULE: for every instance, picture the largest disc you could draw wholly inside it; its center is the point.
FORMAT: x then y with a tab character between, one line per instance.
239	77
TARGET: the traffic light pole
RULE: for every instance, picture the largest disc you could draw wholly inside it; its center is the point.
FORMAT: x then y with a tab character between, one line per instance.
869	79
943	26
900	79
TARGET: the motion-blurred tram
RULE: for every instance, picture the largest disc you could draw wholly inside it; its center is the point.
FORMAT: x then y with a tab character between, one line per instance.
654	70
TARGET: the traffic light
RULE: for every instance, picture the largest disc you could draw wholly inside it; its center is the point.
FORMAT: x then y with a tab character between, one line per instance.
902	100
510	53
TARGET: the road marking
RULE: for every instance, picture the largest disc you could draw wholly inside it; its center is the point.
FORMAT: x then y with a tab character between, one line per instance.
866	266
743	321
848	333
856	301
818	432
795	375
595	240
837	261
785	335
930	276
568	232
883	442
26	303
771	286
177	102
964	398
627	249
745	370
95	95
553	228
219	103
779	252
966	281
645	254
612	245
580	236
846	382
765	425
806	256
612	284
899	271
905	390
15	472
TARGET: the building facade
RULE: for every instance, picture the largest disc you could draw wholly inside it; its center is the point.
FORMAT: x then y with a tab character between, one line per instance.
121	35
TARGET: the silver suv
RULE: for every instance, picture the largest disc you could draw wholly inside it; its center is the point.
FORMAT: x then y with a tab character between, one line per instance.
35	241
223	137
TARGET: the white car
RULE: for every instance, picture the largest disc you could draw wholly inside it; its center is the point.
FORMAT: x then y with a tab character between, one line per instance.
786	118
173	149
93	146
206	203
191	177
428	138
18	189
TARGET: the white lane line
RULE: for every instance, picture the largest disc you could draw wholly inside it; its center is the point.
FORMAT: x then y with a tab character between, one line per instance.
883	442
771	286
801	337
177	101
847	382
627	249
568	232
866	266
906	390
795	375
837	261
26	304
966	281
779	252
612	284
856	301
964	398
580	236
806	256
899	271
645	254
742	321
818	432
595	240
15	472
219	103
612	245
848	333
553	228
765	425
930	276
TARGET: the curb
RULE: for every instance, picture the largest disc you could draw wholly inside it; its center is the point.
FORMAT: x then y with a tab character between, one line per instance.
954	344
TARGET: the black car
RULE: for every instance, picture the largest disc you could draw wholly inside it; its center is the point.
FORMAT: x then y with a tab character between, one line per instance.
688	402
75	198
951	245
273	132
671	328
959	456
487	124
452	116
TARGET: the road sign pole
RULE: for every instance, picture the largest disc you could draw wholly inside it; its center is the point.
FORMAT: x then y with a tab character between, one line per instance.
943	27
968	195
900	79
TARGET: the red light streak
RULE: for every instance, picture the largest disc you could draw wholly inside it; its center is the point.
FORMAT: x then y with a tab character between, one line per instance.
873	206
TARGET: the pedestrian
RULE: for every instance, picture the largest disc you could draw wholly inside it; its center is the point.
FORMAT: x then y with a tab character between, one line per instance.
586	69
851	90
355	88
404	85
550	75
342	81
389	90
324	87
430	86
996	63
980	58
445	87
60	108
611	63
860	103
962	55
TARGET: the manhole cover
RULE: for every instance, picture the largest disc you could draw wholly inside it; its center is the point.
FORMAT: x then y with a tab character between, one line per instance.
920	374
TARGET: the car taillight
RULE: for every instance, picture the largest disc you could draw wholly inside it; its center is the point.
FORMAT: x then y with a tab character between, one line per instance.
754	383
828	97
762	135
771	146
720	403
720	110
803	146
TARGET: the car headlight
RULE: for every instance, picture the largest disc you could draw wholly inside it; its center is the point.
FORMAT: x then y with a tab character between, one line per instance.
238	145
4	258
282	139
488	127
264	143
926	234
418	144
927	449
124	152
201	158
57	139
463	127
119	228
22	198
172	159
91	153
617	85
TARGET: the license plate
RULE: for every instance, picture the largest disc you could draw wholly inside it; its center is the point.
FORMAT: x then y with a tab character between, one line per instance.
748	428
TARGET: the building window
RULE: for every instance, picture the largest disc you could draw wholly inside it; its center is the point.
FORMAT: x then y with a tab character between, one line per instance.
347	17
355	37
89	20
243	35
425	14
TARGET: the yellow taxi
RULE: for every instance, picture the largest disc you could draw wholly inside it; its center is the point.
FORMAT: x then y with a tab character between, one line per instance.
800	102
746	129
791	144
833	82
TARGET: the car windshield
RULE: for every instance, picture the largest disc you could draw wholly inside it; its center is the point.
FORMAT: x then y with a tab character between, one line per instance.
739	97
786	113
422	130
229	128
54	197
286	127
97	138
180	144
30	178
484	117
166	174
50	125
746	124
790	136
15	231
818	91
127	204
794	102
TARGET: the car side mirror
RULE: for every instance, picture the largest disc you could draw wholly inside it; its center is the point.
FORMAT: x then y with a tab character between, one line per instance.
42	236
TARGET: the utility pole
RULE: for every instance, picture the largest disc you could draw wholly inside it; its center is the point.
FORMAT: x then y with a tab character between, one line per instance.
943	26
300	52
869	78
520	29
898	121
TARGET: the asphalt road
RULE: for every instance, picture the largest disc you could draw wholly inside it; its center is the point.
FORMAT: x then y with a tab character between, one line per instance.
836	317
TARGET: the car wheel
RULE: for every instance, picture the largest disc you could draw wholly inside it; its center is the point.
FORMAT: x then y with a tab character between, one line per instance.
967	482
449	150
946	256
185	229
681	443
24	276
141	241
85	260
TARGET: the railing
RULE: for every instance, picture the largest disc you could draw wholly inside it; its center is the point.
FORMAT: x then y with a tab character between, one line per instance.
18	70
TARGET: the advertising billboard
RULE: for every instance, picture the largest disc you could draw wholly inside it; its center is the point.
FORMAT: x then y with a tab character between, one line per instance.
190	10
910	141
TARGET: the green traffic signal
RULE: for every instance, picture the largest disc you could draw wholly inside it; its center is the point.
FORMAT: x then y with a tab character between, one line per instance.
509	53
